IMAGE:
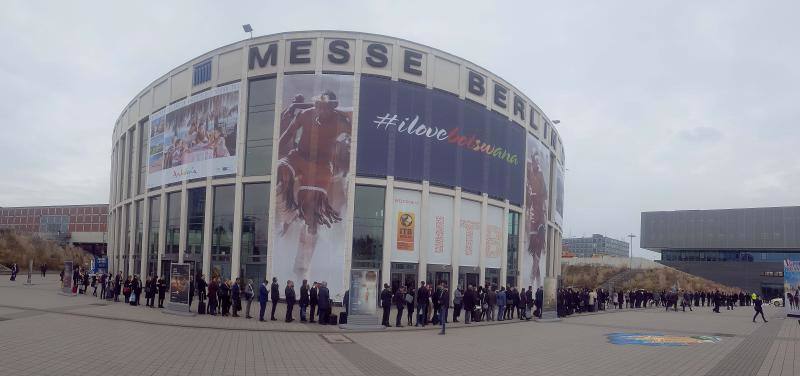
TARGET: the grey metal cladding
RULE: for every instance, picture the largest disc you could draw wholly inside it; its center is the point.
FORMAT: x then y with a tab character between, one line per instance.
765	228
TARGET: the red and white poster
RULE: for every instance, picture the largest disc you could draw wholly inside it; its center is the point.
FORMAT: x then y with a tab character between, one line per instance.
493	247
440	239
470	233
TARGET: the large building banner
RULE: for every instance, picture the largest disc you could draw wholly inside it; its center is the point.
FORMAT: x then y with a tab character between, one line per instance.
537	174
791	287
440	240
406	225
195	137
311	180
414	133
558	213
470	234
493	247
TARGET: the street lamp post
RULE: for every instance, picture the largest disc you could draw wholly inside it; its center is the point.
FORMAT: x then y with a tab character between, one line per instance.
630	250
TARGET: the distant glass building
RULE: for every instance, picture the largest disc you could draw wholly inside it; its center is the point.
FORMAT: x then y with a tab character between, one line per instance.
596	244
744	248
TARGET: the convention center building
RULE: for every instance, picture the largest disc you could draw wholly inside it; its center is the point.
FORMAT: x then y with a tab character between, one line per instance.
303	155
744	248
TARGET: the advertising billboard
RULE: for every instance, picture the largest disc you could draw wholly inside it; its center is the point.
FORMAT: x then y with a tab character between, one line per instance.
440	241
66	281
414	133
558	213
406	225
791	287
537	174
363	292
195	137
311	180
179	283
494	237
470	234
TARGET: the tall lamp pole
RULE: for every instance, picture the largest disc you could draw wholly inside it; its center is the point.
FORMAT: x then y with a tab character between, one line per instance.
630	250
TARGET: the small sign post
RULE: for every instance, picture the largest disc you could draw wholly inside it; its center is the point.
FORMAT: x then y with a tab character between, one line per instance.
179	290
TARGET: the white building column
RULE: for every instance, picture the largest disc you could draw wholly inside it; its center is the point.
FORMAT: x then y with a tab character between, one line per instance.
236	247
145	235
456	250
131	235
388	209
183	223
484	239
424	225
207	228
162	232
504	249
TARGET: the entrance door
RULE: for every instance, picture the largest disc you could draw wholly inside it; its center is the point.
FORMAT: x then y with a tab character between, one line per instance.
442	277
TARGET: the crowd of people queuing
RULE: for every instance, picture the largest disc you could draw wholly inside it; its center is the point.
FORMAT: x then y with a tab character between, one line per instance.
572	301
415	305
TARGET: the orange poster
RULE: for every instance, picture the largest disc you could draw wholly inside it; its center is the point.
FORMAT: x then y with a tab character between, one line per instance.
405	231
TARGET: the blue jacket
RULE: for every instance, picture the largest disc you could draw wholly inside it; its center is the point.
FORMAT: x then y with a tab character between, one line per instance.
501	299
263	293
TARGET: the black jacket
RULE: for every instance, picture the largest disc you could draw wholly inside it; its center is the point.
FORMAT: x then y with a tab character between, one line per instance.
312	294
275	292
290	296
303	294
422	295
386	298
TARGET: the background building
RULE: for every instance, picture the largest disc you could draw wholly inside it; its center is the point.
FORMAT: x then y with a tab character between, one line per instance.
596	245
305	154
736	247
82	226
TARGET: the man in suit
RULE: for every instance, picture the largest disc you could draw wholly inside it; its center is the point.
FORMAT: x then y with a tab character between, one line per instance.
422	304
312	300
303	300
386	304
263	295
324	303
290	300
276	296
444	305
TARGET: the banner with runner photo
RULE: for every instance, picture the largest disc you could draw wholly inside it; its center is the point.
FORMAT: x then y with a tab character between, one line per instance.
311	180
537	174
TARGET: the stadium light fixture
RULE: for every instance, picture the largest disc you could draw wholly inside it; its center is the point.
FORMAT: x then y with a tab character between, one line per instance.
248	29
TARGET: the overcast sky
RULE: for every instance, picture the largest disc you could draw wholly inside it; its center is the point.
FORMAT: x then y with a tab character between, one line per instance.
663	105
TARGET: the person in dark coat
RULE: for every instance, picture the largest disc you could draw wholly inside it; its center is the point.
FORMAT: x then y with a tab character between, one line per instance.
150	292
386	304
291	299
312	300
422	304
468	301
303	300
162	291
117	286
224	293
410	305
263	296
236	296
213	299
399	302
444	305
757	306
324	303
276	296
539	301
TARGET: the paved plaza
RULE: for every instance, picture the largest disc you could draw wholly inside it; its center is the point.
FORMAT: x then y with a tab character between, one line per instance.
44	333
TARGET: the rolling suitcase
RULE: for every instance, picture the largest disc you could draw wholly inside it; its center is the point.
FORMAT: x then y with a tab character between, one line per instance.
333	319
201	308
343	318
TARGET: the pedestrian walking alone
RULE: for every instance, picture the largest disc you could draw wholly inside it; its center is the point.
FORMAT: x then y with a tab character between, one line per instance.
757	306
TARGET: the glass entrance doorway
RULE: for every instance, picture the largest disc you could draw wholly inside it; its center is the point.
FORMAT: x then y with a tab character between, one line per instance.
403	274
468	275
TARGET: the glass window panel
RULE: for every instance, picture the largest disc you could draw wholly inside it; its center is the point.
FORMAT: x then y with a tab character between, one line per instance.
222	231
260	126
153	235
368	222
194	226
254	232
173	226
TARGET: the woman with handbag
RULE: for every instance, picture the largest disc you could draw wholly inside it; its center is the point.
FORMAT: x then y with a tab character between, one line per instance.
410	304
126	289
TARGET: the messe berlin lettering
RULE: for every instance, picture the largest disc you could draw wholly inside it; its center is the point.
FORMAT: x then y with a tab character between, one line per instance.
415	128
301	52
